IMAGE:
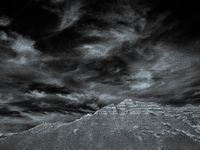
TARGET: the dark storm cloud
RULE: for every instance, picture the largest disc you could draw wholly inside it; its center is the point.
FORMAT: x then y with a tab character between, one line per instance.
51	105
110	69
6	112
192	97
15	127
48	88
73	57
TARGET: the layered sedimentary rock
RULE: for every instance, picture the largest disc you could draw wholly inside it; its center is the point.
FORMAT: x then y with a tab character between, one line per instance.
128	125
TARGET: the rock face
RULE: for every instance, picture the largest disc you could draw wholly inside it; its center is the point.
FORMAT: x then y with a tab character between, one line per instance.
126	126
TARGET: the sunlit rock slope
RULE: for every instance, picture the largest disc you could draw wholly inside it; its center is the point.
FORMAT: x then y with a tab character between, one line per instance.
129	125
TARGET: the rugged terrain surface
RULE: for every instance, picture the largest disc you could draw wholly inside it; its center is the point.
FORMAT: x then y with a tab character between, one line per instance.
126	126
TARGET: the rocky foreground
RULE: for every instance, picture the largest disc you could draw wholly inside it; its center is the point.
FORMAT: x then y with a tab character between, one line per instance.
129	125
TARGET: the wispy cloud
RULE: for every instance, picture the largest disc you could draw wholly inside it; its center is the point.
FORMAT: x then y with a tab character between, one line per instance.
5	21
68	13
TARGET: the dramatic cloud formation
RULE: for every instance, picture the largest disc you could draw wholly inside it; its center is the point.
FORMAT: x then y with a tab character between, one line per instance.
62	59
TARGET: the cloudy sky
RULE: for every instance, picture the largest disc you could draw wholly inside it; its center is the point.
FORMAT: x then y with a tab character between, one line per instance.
61	59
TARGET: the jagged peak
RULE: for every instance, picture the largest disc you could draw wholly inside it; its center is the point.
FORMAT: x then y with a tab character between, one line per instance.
126	102
109	109
130	106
